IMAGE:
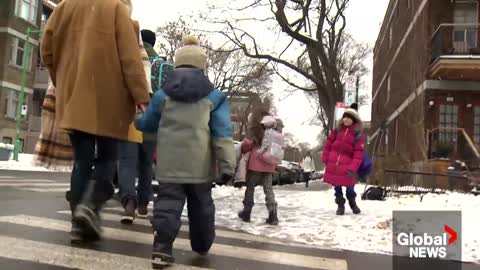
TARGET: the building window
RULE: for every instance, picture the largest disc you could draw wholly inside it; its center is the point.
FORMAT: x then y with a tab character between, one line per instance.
7	140
22	145
18	52
27	10
465	38
448	123
476	126
12	103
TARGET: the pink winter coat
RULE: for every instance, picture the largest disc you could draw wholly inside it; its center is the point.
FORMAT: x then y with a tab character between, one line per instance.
341	157
255	163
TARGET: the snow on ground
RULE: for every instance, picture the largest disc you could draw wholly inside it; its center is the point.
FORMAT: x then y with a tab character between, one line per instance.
24	163
309	217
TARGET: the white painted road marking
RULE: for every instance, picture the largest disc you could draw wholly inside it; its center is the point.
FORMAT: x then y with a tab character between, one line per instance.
21	185
71	257
250	254
185	228
13	181
60	189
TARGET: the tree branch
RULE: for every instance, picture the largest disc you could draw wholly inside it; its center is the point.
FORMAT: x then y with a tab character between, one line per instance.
237	41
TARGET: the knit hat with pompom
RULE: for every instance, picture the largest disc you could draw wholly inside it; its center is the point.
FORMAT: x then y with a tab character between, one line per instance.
191	54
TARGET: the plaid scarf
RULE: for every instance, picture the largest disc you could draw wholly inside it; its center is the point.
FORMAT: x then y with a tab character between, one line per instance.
54	150
147	66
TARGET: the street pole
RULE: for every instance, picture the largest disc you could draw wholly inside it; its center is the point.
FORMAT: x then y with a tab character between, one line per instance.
26	65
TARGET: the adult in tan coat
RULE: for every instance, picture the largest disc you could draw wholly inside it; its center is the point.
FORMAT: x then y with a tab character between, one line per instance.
91	50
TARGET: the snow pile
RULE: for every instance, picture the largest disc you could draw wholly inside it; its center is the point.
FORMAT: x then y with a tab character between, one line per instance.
7	146
24	163
309	217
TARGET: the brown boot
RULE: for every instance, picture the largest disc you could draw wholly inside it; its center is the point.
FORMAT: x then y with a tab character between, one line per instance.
142	211
245	214
129	213
341	206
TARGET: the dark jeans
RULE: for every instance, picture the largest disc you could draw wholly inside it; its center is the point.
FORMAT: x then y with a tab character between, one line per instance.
168	209
306	177
136	160
350	192
100	169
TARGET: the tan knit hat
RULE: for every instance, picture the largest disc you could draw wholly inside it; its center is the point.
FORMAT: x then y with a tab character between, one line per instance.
191	54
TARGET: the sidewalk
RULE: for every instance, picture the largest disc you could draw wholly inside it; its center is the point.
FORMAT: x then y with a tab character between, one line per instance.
309	217
25	163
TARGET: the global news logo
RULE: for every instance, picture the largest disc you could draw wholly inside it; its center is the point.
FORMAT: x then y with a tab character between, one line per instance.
426	245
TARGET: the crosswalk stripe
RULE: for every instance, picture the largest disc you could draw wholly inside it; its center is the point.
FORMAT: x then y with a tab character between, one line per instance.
43	190
185	228
14	181
34	185
250	254
71	257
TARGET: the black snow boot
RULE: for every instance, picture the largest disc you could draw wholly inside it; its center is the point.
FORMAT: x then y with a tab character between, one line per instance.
86	214
76	236
245	214
353	205
76	233
272	217
341	206
162	254
239	184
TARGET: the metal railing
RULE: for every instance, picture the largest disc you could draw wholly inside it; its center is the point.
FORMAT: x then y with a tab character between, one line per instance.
416	181
455	39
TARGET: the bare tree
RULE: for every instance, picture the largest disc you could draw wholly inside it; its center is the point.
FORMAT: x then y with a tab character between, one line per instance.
290	139
246	81
304	148
319	118
228	68
325	52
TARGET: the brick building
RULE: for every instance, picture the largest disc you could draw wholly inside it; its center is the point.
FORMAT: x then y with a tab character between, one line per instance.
16	16
426	84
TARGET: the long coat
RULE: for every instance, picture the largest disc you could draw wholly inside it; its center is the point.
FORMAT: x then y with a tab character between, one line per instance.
91	51
341	157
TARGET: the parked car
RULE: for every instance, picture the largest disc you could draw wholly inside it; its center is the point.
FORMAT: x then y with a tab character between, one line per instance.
297	175
317	175
285	174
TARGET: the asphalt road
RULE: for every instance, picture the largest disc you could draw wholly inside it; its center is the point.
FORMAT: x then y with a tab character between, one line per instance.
34	234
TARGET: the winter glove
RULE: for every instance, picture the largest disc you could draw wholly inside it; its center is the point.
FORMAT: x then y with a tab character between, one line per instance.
352	174
139	114
225	179
239	184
